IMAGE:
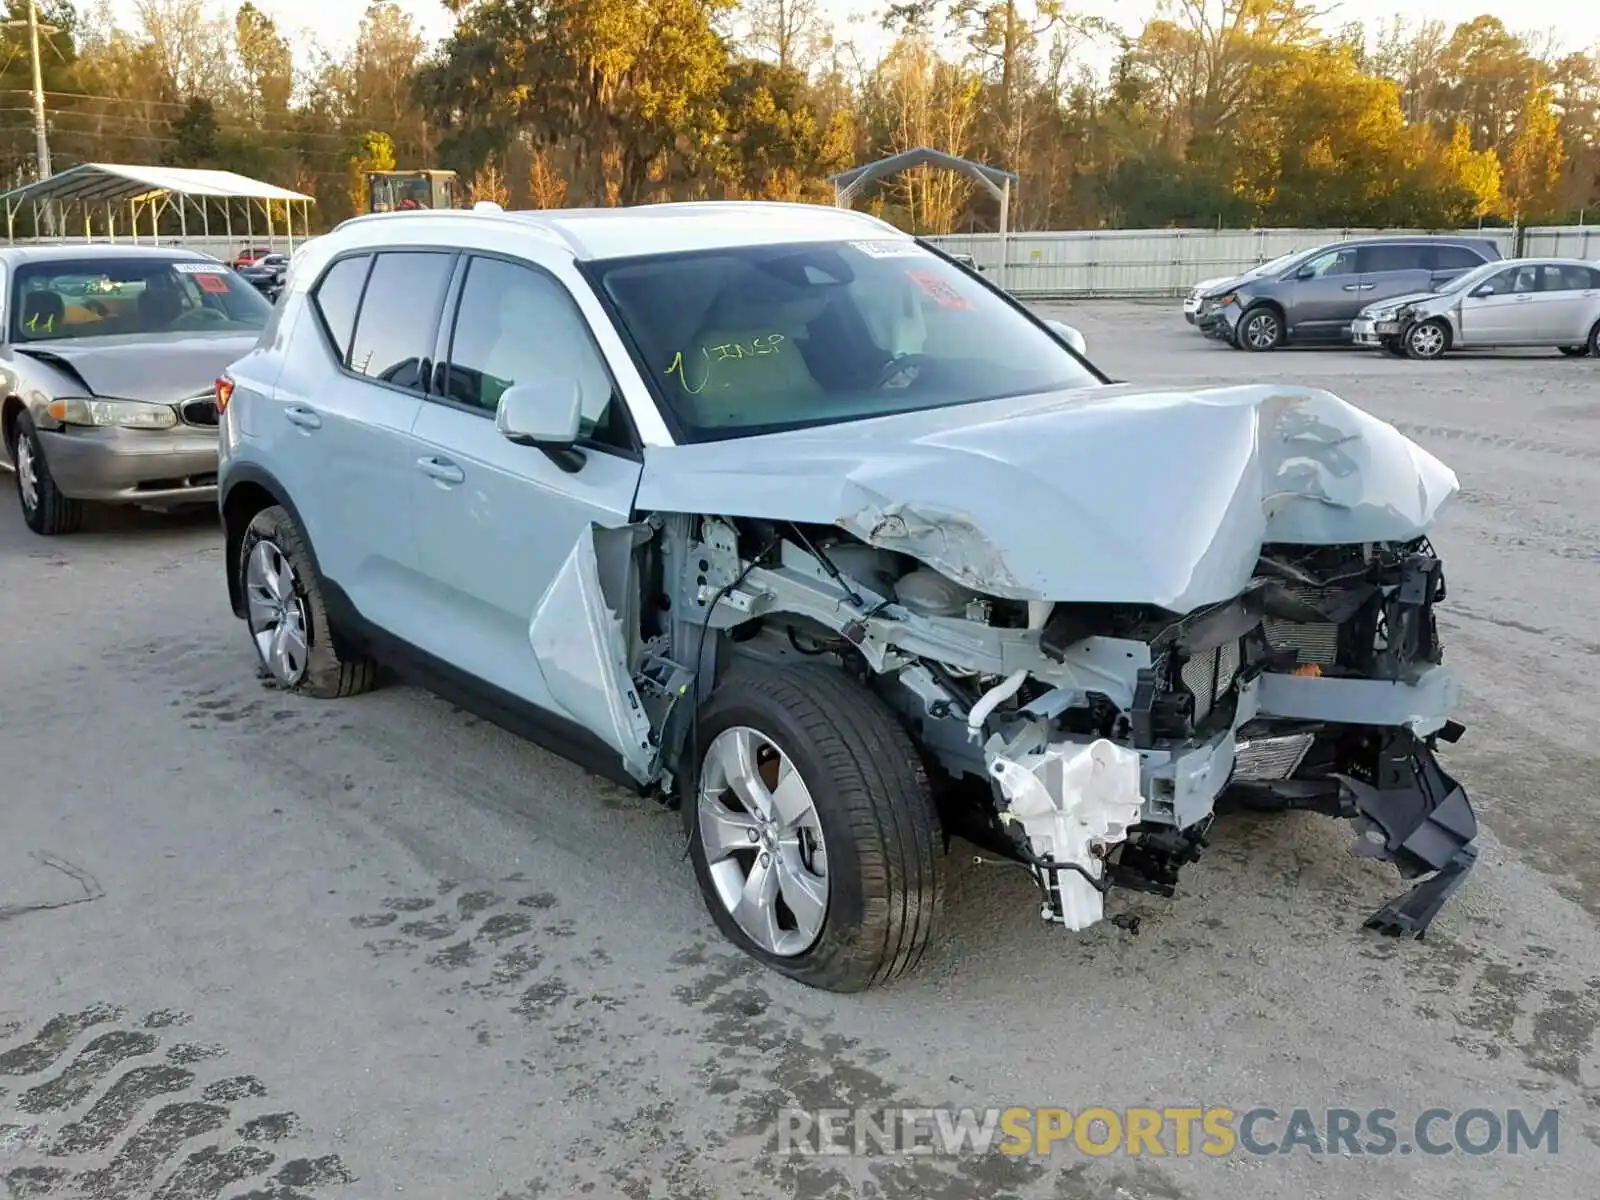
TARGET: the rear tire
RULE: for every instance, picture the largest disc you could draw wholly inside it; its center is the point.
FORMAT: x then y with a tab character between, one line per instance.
1260	329
1594	341
880	836
46	511
287	616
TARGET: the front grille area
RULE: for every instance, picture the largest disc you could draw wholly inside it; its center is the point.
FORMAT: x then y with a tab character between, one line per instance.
1209	674
202	410
1316	642
1269	759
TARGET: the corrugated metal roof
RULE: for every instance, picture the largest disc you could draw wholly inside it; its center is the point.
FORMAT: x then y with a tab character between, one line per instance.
113	182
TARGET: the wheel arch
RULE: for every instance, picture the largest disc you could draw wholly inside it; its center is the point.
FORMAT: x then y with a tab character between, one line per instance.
249	490
1278	310
10	409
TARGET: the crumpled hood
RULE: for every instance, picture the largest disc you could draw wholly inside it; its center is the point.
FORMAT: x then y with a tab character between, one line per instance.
1109	494
1399	301
165	368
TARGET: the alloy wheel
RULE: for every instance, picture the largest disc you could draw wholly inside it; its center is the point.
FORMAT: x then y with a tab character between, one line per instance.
276	613
762	838
1261	331
27	473
1426	340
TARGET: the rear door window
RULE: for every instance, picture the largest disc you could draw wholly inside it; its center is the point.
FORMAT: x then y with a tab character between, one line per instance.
337	298
1375	260
1455	258
399	319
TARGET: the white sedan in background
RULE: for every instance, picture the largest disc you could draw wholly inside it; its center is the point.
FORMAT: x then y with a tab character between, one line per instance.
1520	302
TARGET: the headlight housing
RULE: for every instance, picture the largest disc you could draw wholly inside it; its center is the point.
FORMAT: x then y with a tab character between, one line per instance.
1224	299
119	414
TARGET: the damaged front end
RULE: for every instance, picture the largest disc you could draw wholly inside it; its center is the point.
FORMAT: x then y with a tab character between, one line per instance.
1090	742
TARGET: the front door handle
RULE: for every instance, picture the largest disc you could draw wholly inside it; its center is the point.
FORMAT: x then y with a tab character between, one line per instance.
1352	287
1523	299
306	418
442	469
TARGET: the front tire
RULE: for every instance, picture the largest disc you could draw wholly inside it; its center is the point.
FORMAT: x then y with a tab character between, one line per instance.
812	828
1574	351
1426	339
1594	341
1260	329
45	510
287	616
1392	346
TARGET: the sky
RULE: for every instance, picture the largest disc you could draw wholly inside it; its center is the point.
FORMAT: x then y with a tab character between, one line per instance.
1576	25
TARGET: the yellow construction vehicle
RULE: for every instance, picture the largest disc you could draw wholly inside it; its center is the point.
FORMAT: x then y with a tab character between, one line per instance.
398	191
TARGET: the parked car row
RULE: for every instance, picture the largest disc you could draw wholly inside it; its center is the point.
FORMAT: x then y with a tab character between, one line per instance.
1414	297
778	515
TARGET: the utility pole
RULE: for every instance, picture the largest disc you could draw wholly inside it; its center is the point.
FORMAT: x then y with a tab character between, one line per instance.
41	138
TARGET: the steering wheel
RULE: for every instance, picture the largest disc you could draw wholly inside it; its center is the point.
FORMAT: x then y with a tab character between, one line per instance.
199	316
902	364
98	308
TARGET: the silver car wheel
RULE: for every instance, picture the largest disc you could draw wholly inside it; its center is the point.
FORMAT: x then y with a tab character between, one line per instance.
763	841
27	473
276	613
1427	340
1261	331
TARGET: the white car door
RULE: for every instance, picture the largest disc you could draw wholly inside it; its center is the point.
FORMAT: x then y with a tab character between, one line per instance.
341	425
500	526
1489	313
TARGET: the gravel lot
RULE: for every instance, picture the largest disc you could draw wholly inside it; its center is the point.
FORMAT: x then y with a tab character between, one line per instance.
252	944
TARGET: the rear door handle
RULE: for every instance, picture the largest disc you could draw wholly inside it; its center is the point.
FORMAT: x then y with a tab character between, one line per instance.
304	417
442	469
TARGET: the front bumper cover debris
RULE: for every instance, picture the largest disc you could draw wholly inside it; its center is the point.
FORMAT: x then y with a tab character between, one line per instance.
1414	815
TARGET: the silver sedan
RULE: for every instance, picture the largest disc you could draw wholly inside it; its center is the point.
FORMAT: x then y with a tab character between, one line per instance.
109	357
1521	302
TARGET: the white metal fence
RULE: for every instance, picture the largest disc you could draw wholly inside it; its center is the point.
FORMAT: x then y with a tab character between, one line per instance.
1167	262
1116	262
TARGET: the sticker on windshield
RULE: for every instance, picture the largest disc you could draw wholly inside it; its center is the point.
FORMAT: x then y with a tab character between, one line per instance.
211	282
888	249
198	268
939	290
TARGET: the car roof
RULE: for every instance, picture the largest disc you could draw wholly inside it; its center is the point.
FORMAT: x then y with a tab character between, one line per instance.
18	255
605	233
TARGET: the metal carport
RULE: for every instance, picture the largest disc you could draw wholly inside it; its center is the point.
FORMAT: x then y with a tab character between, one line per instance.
848	184
102	193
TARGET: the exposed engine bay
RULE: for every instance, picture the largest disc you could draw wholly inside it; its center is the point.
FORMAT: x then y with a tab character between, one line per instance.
1089	742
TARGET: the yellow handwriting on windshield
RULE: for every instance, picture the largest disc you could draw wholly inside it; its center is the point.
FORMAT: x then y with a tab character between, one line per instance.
724	352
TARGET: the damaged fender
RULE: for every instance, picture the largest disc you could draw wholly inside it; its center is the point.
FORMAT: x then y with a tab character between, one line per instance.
582	651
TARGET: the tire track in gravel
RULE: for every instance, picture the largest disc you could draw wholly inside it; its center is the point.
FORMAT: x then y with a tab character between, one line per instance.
80	1124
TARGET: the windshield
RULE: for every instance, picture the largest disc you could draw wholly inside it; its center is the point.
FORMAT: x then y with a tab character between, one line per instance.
759	339
1277	264
1472	278
86	298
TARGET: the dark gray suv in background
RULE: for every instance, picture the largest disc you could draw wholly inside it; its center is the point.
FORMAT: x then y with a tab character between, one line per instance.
1315	296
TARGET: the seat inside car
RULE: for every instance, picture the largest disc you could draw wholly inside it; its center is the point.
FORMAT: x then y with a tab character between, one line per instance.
43	312
746	366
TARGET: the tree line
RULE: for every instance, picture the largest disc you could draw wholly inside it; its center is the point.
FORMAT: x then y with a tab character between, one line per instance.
1214	112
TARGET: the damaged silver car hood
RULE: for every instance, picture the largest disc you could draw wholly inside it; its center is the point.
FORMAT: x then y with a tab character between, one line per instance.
1108	494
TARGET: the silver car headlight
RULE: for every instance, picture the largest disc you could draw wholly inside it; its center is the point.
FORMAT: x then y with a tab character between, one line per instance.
120	414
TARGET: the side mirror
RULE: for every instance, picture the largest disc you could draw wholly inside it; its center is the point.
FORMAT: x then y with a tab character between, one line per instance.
1482	290
1306	273
546	414
1070	336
